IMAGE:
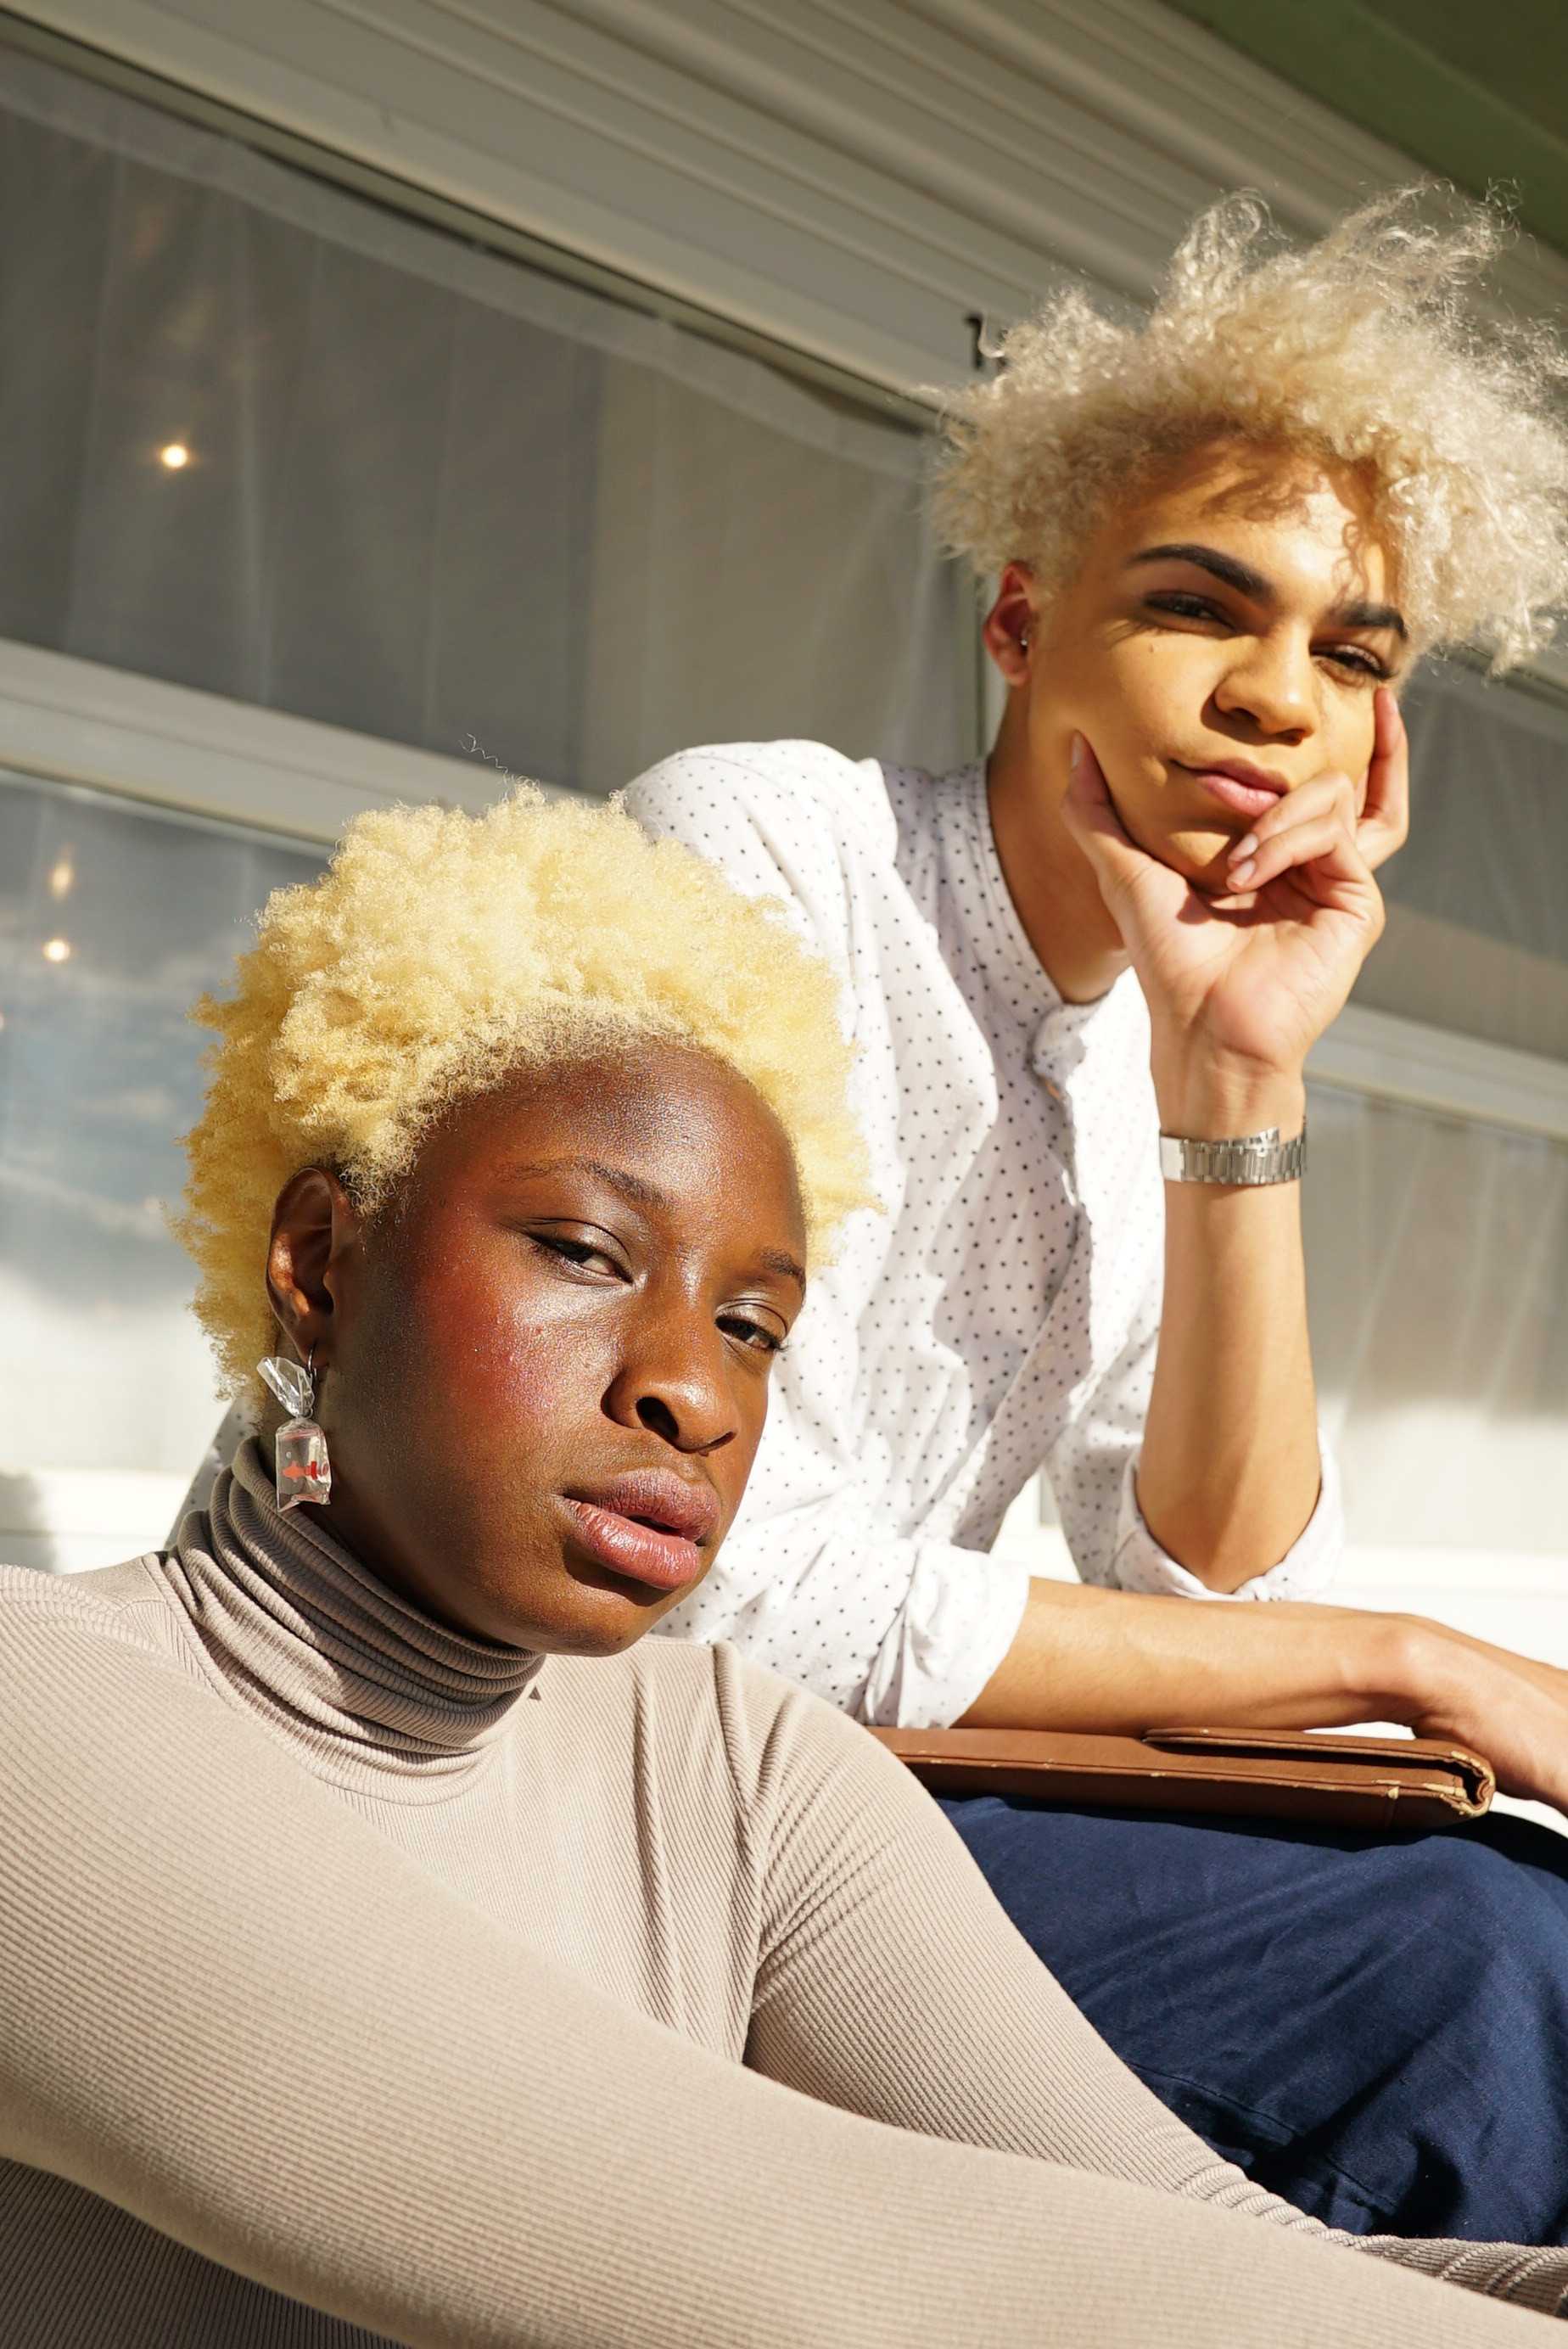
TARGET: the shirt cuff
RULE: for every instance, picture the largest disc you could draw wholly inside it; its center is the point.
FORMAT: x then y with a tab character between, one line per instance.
1305	1571
961	1616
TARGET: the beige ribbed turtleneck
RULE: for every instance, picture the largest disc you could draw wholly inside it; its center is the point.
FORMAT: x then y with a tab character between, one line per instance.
347	1965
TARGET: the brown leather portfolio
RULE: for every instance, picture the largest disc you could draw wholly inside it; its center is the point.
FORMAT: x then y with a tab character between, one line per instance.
1383	1785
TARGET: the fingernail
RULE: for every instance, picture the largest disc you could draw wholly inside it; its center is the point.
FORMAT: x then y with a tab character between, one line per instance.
1242	873
1246	847
1078	750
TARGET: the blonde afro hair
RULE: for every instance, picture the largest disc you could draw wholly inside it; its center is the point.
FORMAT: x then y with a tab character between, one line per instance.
1363	348
440	951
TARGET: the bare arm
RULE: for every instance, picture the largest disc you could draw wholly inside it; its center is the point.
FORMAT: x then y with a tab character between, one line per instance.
1239	989
1108	1662
1229	1472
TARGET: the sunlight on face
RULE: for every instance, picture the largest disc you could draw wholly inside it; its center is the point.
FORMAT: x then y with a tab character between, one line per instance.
1236	613
587	1278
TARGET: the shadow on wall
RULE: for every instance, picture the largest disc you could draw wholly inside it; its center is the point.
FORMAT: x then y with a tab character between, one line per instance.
25	1536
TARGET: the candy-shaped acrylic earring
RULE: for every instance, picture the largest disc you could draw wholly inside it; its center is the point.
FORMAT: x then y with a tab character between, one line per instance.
304	1470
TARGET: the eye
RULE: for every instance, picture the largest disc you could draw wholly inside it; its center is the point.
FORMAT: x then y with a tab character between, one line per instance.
586	1255
1184	605
758	1337
1360	661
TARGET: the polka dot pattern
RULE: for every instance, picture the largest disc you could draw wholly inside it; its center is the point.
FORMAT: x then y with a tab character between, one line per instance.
1002	1315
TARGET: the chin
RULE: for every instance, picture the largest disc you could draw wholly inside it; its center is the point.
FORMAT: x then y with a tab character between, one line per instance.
1185	832
1200	853
596	1613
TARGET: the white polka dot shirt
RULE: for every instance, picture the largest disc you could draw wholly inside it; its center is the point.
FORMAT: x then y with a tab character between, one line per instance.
1002	1315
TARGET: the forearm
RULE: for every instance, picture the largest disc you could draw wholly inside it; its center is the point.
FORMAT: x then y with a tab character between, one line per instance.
359	2122
1228	1476
885	1914
445	2177
1110	1663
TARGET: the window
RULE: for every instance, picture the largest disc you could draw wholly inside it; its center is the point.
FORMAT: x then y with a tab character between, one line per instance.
113	919
290	446
321	461
293	449
1477	914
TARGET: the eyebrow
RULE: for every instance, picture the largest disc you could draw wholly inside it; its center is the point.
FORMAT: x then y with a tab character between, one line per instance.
630	1186
1253	583
780	1261
1372	616
644	1194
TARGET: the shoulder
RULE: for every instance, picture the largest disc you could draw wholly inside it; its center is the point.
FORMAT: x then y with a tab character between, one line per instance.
100	1627
757	1770
791	797
126	1603
778	1741
112	1600
798	821
691	1692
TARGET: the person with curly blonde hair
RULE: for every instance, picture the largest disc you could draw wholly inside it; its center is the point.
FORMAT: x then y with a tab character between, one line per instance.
1084	975
438	954
398	1948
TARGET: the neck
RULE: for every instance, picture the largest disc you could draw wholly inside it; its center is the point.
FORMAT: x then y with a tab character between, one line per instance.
363	1679
1049	877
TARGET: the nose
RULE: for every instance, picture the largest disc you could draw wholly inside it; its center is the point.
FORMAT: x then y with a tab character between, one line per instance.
671	1383
1271	682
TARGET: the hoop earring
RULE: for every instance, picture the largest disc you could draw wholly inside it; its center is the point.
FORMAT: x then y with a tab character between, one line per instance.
304	1471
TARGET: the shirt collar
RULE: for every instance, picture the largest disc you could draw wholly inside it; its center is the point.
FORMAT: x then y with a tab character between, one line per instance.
1009	960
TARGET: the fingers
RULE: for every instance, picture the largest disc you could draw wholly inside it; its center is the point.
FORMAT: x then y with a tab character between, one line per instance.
1092	818
1088	804
1315	823
1381	826
1323	840
1385	823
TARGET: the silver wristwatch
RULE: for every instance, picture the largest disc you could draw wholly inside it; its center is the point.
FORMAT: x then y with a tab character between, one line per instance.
1247	1158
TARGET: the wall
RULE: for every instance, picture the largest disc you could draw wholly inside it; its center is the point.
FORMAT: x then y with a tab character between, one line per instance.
854	175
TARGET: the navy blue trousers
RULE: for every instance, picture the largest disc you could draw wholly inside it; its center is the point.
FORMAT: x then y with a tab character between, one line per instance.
1377	2030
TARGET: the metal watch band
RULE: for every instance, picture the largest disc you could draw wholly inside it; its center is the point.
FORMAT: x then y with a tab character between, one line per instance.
1246	1158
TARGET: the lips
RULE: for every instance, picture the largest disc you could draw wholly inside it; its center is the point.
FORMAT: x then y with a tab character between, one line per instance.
649	1525
1247	791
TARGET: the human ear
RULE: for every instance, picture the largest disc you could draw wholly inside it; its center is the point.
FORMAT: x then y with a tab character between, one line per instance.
315	1229
1009	626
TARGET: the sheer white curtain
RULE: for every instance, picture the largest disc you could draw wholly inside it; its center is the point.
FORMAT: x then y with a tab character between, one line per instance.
1437	1248
1478	901
113	918
1437	1257
427	493
431	493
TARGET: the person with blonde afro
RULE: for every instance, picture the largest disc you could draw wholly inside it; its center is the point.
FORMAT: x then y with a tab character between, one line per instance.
397	1947
1084	975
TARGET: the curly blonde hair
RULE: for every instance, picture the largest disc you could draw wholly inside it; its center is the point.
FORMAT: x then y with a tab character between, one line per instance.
1361	348
440	951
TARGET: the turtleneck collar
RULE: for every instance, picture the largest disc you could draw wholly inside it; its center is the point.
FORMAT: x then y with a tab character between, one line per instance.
302	1631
